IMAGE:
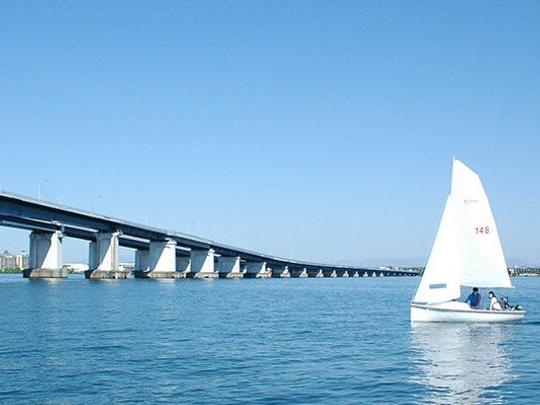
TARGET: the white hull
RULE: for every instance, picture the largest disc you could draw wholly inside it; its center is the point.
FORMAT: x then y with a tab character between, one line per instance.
455	311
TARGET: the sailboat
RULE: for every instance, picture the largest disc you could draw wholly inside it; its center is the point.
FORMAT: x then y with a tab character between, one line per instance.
467	252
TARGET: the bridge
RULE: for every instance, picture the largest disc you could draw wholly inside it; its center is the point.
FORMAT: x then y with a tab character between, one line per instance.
159	253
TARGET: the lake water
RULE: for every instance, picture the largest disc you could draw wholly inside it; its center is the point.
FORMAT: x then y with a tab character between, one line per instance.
292	341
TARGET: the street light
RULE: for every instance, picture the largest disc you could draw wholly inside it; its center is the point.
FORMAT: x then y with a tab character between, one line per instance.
94	201
146	217
39	188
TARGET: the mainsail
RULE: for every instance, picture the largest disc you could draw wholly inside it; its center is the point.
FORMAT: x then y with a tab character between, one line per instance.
482	258
467	250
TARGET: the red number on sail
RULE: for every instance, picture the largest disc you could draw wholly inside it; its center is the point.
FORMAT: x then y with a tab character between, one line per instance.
482	229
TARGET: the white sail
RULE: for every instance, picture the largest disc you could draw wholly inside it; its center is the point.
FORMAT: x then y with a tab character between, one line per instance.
481	256
467	250
440	281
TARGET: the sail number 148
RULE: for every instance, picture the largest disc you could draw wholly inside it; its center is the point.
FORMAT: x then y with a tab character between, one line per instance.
482	229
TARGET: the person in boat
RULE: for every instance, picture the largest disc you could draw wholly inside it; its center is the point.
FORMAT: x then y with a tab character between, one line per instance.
494	304
474	299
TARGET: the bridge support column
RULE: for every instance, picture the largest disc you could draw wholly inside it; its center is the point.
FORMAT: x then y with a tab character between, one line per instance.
45	259
257	270
103	258
356	274
296	272
183	265
334	274
320	274
160	261
141	260
304	273
202	264
229	267
346	273
281	272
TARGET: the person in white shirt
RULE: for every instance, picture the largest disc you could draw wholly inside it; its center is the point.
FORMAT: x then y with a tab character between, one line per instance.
493	303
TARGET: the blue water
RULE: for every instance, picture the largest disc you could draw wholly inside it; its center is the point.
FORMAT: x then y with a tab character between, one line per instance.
259	341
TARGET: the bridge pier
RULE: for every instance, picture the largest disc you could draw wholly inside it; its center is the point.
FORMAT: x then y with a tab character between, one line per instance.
281	272
311	272
304	273
356	274
103	258
183	265
346	273
296	272
202	264
141	260
157	262
257	270
45	259
320	274
229	267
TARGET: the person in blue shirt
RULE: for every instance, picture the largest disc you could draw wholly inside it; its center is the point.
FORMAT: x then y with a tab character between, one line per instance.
474	299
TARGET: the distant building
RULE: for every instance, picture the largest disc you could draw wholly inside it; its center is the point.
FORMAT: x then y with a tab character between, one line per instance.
21	260
10	262
126	266
7	261
75	267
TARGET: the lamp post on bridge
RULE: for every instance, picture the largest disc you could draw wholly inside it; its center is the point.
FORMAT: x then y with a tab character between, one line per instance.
39	188
94	201
148	218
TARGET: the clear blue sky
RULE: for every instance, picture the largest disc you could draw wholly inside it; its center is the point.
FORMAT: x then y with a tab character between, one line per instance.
313	130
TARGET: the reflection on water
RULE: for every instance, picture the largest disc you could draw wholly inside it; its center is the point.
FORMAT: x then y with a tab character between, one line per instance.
461	363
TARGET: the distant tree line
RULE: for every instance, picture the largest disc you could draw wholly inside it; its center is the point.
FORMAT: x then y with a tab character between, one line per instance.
11	270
